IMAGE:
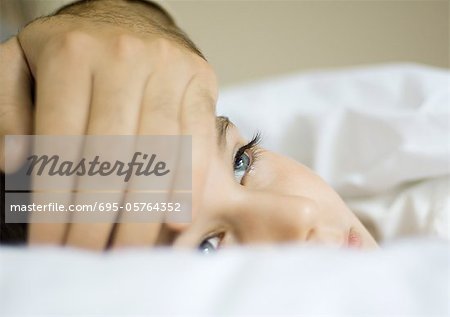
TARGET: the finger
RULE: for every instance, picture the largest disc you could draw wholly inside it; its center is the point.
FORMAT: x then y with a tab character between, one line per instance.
139	229
163	95
198	120
115	110
159	116
15	103
63	93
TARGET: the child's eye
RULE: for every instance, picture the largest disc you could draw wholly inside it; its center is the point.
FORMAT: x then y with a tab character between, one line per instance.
211	244
245	158
242	164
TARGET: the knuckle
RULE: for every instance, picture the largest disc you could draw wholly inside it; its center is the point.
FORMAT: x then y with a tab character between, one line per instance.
127	47
163	45
75	41
166	51
71	45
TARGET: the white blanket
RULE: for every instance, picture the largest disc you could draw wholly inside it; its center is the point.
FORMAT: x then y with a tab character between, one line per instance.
405	279
379	135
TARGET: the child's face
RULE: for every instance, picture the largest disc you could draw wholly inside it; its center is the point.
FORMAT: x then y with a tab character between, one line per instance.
257	196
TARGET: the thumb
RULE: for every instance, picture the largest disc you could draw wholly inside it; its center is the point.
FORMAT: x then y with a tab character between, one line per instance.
15	104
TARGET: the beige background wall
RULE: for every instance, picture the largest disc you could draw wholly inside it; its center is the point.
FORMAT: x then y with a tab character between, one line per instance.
245	40
253	39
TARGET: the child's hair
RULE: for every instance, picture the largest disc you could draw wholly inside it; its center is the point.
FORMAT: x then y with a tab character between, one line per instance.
10	233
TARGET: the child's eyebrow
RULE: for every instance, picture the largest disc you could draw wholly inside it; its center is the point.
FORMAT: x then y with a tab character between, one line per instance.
222	124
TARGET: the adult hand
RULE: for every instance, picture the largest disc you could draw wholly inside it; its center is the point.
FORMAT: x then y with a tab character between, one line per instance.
106	69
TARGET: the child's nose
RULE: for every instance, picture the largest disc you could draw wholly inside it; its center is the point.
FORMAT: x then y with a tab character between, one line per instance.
268	217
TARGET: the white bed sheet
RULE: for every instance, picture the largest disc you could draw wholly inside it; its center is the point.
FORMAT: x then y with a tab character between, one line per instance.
379	135
409	278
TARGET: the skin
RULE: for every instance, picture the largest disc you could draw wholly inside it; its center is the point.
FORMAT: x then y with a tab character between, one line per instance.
125	77
278	200
98	75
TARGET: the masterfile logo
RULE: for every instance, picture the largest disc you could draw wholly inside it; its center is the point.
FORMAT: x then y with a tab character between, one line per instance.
101	179
55	166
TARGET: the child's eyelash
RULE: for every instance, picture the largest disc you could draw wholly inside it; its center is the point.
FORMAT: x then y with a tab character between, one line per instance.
251	147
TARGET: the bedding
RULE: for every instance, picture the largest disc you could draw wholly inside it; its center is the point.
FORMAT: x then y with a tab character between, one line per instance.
379	135
408	278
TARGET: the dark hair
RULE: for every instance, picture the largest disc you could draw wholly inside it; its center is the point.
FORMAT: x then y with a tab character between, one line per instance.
10	233
155	18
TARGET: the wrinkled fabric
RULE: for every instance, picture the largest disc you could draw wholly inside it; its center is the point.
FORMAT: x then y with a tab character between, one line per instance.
403	279
379	135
